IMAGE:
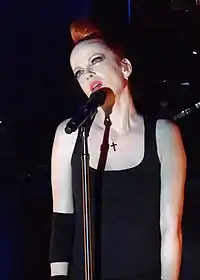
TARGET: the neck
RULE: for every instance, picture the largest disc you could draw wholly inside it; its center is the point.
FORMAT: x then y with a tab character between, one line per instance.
122	116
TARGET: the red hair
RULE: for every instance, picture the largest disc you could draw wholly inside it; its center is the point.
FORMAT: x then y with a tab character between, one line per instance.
82	30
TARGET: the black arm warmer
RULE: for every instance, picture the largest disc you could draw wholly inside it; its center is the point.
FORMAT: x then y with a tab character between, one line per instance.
61	238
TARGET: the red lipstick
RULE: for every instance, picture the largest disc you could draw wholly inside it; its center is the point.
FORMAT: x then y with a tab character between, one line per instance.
95	85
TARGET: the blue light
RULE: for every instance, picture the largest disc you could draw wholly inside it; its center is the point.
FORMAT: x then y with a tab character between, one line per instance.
129	11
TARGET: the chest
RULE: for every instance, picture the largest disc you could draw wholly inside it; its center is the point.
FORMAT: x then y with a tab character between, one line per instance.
125	151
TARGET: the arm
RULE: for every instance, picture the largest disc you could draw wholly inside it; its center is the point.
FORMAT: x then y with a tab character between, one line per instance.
173	173
63	209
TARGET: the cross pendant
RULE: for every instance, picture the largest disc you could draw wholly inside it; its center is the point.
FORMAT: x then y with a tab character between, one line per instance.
113	146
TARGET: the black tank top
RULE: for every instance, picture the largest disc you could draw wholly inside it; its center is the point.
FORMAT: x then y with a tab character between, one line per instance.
130	228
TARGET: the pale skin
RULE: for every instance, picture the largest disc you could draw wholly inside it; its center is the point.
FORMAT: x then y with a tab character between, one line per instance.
92	60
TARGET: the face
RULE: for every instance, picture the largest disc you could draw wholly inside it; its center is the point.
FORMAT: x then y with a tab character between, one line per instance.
96	66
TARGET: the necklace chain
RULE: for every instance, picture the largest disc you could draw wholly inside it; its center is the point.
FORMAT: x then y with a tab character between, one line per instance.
108	123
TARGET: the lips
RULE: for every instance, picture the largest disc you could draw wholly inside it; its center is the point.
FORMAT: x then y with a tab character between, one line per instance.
95	85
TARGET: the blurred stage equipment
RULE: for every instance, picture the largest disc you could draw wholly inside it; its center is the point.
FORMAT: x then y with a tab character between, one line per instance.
184	5
187	111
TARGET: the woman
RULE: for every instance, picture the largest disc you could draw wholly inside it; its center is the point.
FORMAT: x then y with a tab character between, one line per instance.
143	180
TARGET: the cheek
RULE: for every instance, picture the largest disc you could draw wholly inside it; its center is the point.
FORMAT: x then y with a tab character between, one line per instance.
118	76
117	73
120	83
84	86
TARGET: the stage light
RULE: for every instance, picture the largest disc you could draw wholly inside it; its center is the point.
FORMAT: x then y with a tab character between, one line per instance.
129	10
197	105
185	84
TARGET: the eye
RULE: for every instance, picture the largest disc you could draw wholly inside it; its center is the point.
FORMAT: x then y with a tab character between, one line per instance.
96	59
78	73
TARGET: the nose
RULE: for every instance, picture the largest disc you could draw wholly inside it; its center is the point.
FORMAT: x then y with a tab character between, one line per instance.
90	74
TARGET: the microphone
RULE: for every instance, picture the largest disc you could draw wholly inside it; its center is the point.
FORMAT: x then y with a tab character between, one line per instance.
97	99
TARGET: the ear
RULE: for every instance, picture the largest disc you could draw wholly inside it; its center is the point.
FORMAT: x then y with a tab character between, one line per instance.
126	67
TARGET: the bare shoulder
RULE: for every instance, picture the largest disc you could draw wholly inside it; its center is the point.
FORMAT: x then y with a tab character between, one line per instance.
169	139
61	175
173	174
63	141
60	131
166	128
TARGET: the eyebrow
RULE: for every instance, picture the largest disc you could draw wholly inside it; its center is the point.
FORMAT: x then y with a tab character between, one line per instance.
78	67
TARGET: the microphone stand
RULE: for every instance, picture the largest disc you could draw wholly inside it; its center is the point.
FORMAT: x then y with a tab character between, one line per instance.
86	202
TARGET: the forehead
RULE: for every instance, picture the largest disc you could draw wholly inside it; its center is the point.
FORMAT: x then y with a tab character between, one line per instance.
86	49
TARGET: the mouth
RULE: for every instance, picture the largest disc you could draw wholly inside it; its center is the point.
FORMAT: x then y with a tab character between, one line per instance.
96	85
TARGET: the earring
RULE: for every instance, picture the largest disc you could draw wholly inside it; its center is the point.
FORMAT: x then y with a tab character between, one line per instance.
125	71
126	78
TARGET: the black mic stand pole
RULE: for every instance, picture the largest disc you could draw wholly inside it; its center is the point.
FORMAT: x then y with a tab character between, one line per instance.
86	201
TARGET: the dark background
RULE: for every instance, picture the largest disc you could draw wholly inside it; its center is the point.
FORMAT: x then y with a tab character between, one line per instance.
38	92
